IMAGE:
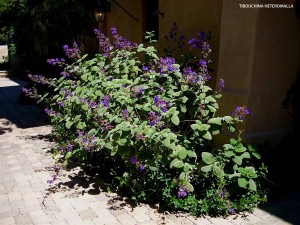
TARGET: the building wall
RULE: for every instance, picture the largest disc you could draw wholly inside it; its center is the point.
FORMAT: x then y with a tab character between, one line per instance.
126	25
259	59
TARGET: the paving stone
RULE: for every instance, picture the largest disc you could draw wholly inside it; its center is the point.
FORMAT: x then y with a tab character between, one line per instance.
106	220
199	220
7	221
87	214
126	219
39	217
23	219
17	204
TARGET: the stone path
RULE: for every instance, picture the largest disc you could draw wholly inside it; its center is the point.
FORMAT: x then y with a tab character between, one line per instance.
26	197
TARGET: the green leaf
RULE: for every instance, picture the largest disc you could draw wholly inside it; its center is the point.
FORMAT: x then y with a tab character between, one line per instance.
122	141
207	168
217	120
234	175
175	119
252	185
242	182
195	126
256	155
207	157
68	155
176	163
172	136
182	176
69	124
218	172
84	77
229	154
190	187
238	160
81	125
184	99
240	148
211	108
184	87
207	136
186	167
182	153
191	154
166	142
246	155
85	107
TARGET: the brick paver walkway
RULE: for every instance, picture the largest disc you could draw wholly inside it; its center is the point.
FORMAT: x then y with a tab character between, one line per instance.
26	198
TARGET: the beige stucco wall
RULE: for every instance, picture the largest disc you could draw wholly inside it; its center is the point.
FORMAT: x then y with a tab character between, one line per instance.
126	25
259	59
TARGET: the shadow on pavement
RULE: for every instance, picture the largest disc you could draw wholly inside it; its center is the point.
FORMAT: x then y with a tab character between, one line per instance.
23	116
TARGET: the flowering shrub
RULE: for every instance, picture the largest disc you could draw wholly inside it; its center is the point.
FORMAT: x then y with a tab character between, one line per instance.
150	123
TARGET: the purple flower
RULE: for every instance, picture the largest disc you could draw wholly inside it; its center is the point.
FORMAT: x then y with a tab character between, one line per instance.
70	147
72	53
142	167
223	193
38	79
181	194
232	210
145	68
240	112
203	63
133	160
137	91
138	136
106	100
154	119
166	65
221	84
190	76
125	114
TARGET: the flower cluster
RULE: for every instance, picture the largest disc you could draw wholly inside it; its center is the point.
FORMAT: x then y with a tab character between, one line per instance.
106	125
231	211
104	43
67	93
154	118
38	79
91	104
56	61
125	114
240	112
160	103
133	160
166	65
56	169
121	42
221	84
31	92
172	37
137	91
182	192
106	100
201	41
51	112
190	76
72	53
85	141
